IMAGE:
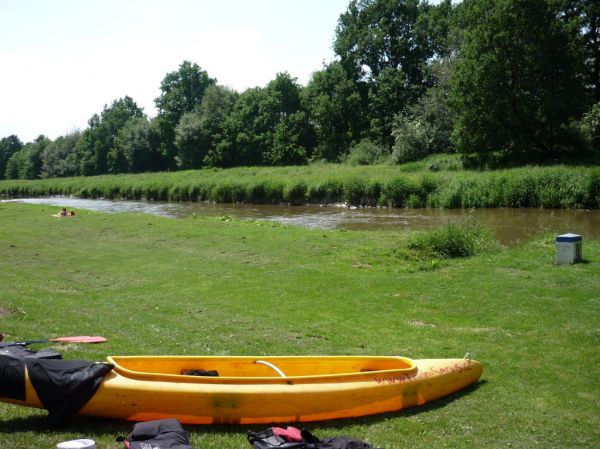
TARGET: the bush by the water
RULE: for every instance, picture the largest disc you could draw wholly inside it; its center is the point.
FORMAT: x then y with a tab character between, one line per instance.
365	152
450	242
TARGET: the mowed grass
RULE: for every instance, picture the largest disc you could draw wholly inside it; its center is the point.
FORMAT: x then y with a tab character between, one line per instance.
154	285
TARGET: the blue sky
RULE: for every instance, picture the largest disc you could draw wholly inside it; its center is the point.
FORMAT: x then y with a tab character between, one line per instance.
61	61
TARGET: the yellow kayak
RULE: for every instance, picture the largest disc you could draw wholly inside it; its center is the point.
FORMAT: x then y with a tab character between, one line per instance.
251	390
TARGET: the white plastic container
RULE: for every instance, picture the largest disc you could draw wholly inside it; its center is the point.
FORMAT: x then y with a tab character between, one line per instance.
77	444
568	249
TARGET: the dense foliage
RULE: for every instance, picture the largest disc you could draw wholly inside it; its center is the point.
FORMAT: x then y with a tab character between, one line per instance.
502	82
506	86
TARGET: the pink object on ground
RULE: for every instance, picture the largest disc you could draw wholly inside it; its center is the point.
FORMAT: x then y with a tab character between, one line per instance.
289	434
80	339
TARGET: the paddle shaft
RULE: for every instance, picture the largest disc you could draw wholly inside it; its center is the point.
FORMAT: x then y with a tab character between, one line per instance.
28	342
77	339
5	344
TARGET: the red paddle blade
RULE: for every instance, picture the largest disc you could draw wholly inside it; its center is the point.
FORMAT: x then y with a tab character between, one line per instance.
80	339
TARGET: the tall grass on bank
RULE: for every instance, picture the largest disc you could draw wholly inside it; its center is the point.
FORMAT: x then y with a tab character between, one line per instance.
386	186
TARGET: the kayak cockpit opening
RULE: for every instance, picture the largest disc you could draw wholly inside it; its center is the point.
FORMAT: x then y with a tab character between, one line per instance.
239	369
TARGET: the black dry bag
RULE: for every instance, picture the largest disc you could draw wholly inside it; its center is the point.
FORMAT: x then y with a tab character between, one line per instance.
159	434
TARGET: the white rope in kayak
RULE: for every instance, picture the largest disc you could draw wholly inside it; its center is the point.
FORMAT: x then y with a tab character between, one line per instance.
270	365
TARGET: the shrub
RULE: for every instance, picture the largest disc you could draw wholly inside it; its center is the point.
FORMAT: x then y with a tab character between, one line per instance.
354	192
329	191
365	152
396	192
228	193
178	193
294	193
426	127
198	192
412	140
373	192
257	193
274	191
415	201
593	197
450	242
590	127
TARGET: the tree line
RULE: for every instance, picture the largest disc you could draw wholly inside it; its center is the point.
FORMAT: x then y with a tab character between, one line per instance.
502	82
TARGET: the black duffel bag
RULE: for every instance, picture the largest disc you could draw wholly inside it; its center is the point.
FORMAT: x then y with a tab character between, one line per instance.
159	434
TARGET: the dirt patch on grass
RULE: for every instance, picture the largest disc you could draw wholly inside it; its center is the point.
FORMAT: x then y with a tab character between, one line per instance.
418	323
4	312
475	330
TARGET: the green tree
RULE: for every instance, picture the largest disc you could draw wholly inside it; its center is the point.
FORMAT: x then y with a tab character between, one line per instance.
244	140
217	104
292	141
390	93
435	27
60	157
582	20
259	115
137	146
15	165
590	11
288	135
199	132
388	44
335	104
87	146
427	127
181	91
513	101
99	139
373	35
27	162
191	141
8	146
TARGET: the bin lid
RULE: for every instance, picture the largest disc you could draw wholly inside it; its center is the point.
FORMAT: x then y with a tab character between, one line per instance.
568	238
77	444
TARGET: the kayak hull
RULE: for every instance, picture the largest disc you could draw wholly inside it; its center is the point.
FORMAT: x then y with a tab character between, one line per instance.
149	388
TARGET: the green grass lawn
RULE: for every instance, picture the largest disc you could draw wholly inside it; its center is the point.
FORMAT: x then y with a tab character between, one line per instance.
154	285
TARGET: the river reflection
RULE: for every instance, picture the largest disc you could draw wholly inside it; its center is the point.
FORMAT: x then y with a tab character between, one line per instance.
510	226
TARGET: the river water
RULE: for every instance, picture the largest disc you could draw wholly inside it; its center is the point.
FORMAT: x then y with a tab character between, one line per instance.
509	226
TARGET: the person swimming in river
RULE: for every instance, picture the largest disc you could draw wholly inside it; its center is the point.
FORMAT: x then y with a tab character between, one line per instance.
64	213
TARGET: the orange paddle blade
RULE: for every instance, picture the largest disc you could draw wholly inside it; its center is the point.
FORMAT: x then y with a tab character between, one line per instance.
80	339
